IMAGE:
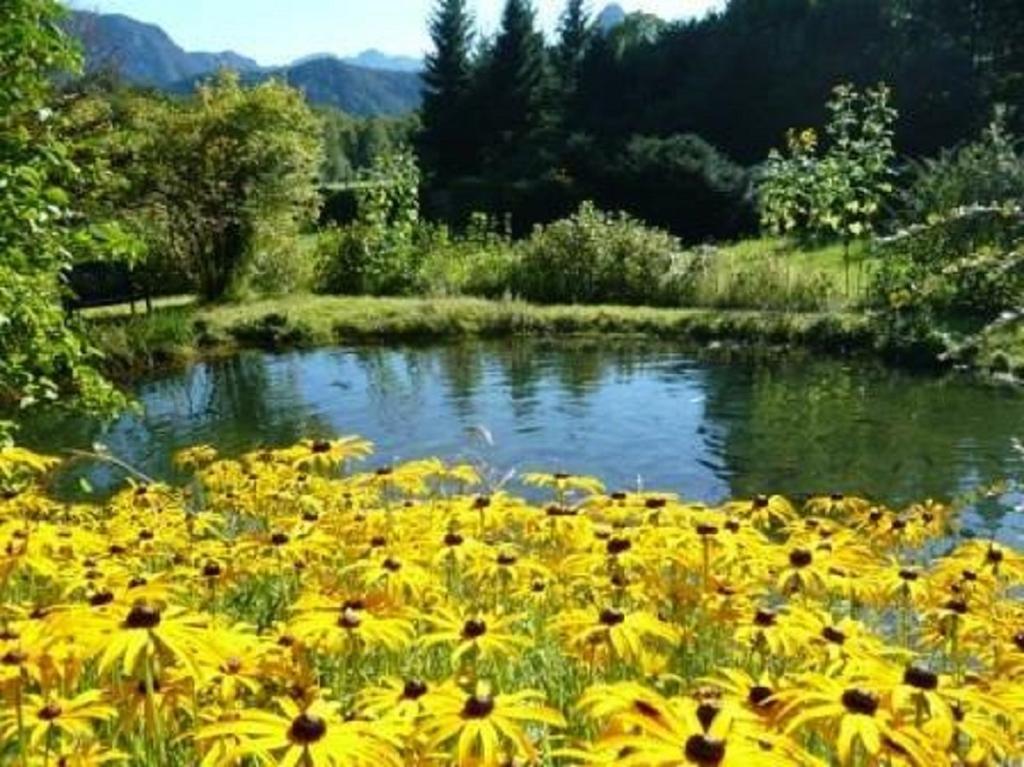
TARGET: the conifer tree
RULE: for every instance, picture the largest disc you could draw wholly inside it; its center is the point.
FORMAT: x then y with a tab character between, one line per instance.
445	141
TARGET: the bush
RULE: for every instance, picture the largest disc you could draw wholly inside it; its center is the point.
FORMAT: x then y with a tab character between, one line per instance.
482	263
967	264
986	172
360	259
596	257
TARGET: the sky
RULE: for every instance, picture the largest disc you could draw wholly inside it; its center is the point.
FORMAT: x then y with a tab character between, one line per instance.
279	31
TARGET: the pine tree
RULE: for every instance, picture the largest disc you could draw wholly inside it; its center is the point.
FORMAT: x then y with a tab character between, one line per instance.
445	141
573	37
516	78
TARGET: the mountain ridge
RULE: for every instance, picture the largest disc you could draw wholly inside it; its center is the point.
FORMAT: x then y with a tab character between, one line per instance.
144	54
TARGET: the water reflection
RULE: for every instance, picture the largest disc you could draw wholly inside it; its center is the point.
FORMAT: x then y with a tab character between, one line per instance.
626	411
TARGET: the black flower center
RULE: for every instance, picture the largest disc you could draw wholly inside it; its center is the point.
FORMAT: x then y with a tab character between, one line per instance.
321	446
14	658
761	501
414	689
538	587
957	606
800	558
611	617
481	502
507	560
655	503
1018	639
994	556
706	713
143	616
833	635
211	570
758	694
706	530
279	539
392	565
764	618
478	707
101	598
474	628
50	712
307	728
618	546
859	701
909	575
921	678
453	539
704	751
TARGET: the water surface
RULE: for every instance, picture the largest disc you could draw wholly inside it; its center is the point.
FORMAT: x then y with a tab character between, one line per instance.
629	412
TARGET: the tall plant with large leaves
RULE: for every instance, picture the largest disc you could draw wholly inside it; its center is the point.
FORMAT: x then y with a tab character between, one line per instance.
43	359
841	193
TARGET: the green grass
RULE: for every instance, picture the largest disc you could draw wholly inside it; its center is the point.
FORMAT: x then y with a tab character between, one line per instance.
172	336
773	273
756	292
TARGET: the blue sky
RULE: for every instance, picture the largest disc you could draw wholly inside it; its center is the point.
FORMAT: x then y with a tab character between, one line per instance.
279	31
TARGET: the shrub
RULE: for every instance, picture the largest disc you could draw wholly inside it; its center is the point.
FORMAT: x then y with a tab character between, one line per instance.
599	257
481	263
966	264
985	172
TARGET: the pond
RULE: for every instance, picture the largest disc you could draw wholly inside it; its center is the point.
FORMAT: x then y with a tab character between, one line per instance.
629	412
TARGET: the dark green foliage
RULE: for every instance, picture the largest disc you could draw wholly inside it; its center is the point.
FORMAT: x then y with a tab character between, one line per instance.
351	144
574	34
682	183
446	139
514	80
989	171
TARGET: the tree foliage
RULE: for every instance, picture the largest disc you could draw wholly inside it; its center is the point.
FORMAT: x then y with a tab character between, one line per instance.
43	359
232	167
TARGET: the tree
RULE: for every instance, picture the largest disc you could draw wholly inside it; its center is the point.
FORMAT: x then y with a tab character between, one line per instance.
226	170
43	359
573	37
448	79
515	81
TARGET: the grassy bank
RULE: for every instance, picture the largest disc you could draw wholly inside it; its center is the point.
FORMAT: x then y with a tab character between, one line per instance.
175	335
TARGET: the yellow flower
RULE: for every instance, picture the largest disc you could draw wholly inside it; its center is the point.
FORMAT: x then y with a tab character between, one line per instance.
478	726
312	736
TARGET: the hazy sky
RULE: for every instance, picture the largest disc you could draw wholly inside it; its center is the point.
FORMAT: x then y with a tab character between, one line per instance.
278	31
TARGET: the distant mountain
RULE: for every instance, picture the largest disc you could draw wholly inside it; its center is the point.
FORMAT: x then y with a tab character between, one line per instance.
144	53
356	90
369	59
374	59
610	17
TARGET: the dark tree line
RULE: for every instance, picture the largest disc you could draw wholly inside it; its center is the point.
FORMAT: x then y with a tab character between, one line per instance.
667	119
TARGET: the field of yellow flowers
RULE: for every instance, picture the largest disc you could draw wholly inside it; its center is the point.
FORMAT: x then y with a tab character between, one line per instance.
281	609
